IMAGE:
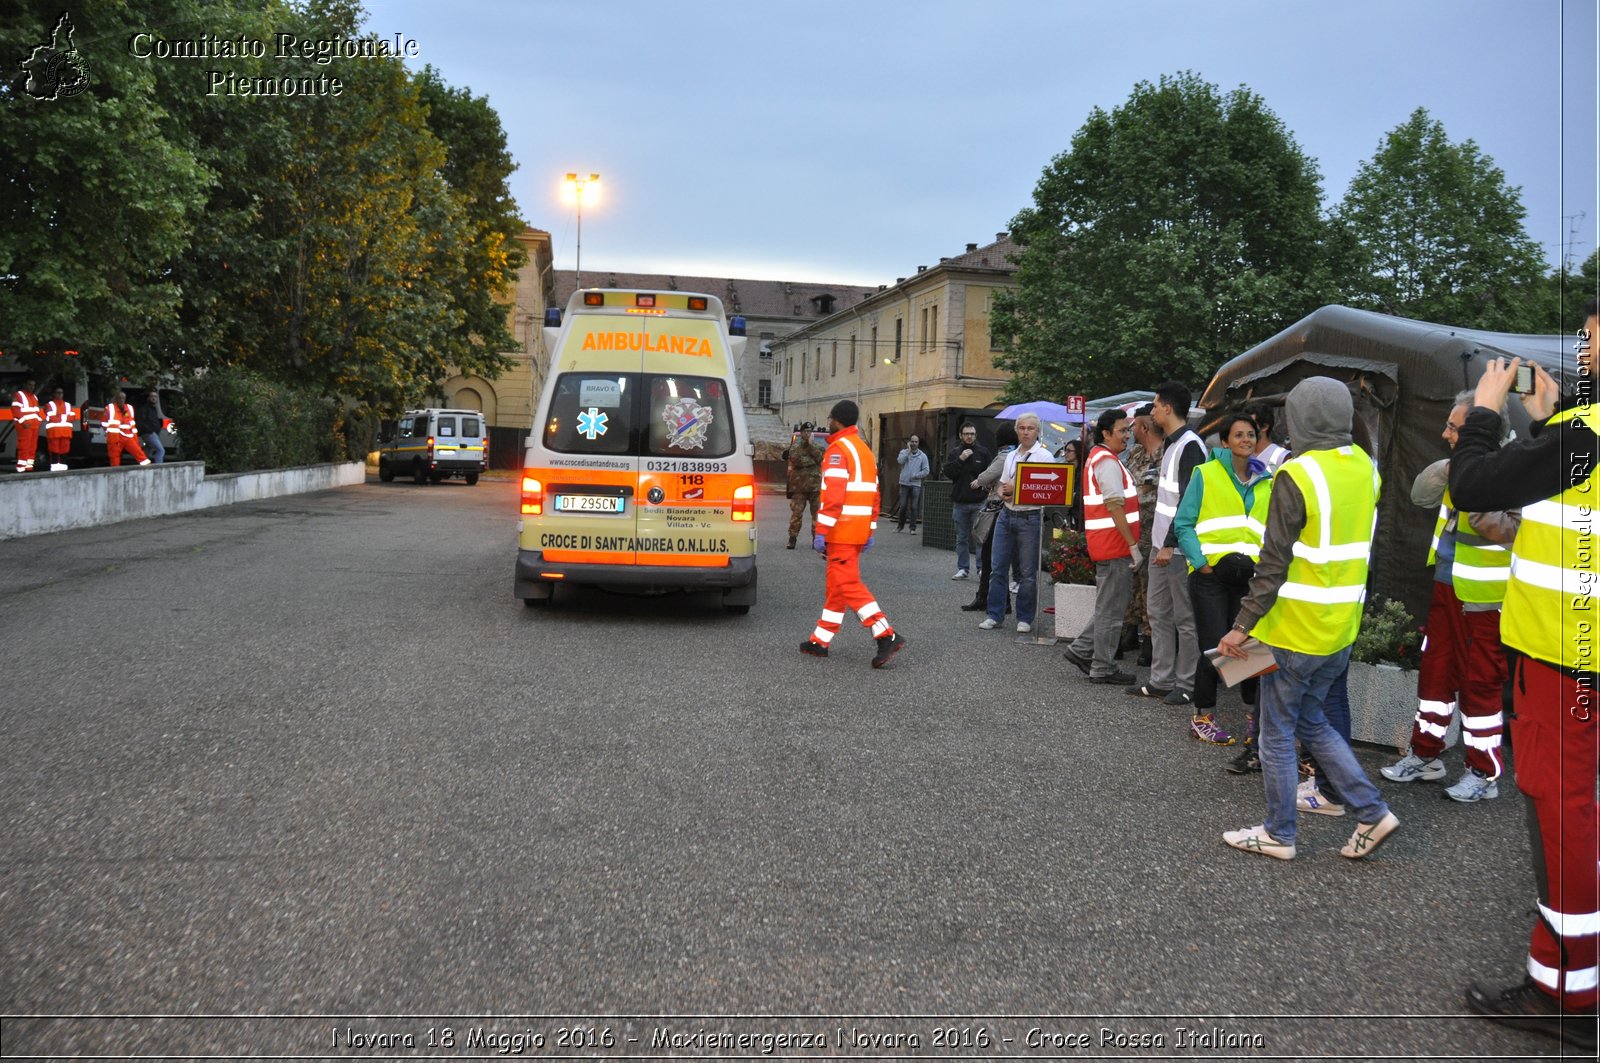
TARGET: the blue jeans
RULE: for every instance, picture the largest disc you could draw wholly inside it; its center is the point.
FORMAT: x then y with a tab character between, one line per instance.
910	505
1292	703
153	448
963	514
1016	539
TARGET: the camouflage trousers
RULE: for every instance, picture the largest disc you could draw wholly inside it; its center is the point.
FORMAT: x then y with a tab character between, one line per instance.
797	509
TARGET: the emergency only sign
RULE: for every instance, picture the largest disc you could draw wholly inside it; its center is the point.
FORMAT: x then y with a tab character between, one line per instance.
1042	483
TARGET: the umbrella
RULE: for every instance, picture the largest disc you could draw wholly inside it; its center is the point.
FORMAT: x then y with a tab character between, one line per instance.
1045	411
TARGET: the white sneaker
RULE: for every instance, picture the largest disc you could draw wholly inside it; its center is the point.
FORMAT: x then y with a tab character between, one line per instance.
961	573
1257	840
1473	787
1307	798
1023	627
989	625
1412	768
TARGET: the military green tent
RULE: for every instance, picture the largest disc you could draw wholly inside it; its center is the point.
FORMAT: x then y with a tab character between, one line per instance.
1403	376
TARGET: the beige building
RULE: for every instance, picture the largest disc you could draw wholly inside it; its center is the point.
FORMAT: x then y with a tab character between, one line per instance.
508	403
909	355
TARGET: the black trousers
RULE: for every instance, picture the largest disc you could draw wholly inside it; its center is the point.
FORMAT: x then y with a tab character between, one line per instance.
1215	596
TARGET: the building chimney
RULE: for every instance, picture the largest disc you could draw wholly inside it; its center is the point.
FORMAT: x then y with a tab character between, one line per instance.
1000	236
922	269
971	248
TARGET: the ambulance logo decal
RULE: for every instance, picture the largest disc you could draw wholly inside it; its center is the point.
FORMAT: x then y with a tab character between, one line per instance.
592	424
687	422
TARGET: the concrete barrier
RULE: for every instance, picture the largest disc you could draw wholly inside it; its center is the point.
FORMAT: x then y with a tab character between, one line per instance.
39	502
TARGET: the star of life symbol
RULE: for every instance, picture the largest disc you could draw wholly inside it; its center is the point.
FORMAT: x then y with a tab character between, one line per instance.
592	424
55	70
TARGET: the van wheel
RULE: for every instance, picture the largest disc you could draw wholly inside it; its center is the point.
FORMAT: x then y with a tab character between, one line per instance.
534	603
471	478
736	610
435	476
385	473
419	473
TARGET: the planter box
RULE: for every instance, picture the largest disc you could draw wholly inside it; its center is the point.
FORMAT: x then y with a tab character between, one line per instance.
1074	609
1383	703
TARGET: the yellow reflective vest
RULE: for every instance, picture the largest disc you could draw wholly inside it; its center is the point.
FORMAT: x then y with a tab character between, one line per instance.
1549	605
1318	610
1481	568
1222	525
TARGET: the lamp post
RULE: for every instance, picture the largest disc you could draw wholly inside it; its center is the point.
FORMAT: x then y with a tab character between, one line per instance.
574	186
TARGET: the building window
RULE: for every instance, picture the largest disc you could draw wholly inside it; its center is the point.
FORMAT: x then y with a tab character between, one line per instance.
763	393
819	363
922	327
766	344
833	369
933	326
899	335
874	345
802	367
852	352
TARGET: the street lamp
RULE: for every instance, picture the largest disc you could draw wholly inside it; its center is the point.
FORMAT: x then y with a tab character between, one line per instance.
574	186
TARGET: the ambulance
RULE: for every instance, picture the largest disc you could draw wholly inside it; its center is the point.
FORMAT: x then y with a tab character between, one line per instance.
640	472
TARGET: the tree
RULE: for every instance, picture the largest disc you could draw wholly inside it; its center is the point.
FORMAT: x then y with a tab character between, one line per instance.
1175	232
1438	235
96	194
477	168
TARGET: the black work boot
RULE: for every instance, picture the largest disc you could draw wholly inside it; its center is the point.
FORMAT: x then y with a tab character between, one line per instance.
1526	1007
888	646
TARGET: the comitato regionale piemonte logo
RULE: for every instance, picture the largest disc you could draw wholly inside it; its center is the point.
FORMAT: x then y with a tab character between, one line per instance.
55	70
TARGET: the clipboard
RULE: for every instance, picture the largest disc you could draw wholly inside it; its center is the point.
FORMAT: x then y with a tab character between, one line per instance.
1258	661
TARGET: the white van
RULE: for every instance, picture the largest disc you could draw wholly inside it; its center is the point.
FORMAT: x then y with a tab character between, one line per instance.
433	445
640	473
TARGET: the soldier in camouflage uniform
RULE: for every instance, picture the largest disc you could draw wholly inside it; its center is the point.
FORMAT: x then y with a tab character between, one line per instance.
805	481
1138	459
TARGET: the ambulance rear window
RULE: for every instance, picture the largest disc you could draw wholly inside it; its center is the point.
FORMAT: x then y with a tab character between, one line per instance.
640	414
469	427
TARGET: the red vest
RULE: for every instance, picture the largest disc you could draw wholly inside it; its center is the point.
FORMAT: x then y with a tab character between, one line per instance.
1105	542
25	408
119	421
849	510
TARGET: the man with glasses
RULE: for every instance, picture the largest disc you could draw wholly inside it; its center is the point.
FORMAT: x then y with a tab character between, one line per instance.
1463	664
1016	531
1111	531
965	463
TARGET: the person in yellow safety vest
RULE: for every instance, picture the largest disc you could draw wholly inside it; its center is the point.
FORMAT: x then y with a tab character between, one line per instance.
844	531
25	414
122	431
58	427
1219	527
1463	662
1549	620
1305	605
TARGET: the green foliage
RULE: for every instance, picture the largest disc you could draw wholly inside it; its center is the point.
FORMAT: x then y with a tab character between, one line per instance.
1388	635
1066	558
353	244
235	420
1438	235
1175	232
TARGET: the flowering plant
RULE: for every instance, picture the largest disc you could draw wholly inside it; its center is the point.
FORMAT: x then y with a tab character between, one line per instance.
1388	635
1066	558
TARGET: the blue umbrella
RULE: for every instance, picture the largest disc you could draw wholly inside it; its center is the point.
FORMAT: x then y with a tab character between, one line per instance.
1045	411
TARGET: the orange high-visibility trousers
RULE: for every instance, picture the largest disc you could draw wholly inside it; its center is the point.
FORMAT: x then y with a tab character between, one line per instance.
846	591
116	444
27	445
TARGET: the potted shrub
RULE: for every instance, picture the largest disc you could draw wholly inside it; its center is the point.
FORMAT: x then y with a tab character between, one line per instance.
1066	561
1383	678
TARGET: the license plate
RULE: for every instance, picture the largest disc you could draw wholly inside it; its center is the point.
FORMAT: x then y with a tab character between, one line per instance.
589	504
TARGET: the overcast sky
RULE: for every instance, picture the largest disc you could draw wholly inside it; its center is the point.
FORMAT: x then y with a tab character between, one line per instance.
853	140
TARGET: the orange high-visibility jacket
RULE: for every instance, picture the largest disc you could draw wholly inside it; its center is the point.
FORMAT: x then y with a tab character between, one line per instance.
25	408
58	417
119	420
849	511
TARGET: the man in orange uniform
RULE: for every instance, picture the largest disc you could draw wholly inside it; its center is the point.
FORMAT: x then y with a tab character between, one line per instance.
844	532
58	417
26	416
122	431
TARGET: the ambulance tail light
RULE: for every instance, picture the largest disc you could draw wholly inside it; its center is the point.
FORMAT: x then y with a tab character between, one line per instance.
744	503
532	496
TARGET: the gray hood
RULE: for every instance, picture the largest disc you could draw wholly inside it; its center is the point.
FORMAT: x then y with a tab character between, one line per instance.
1319	412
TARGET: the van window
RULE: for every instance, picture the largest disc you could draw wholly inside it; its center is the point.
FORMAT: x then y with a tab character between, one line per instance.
412	427
688	416
591	413
659	415
447	427
469	427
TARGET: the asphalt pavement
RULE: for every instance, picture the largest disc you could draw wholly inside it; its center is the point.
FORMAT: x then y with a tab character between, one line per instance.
301	777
